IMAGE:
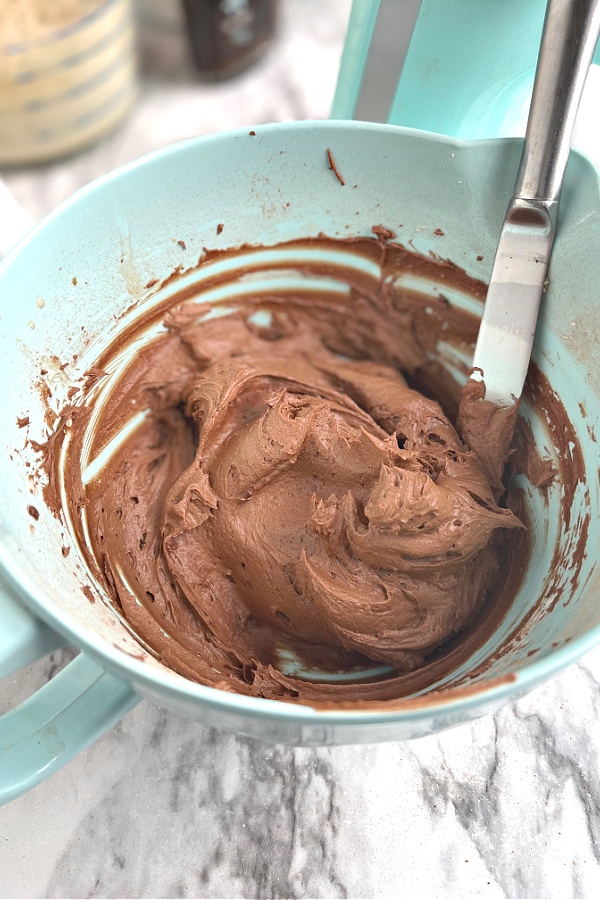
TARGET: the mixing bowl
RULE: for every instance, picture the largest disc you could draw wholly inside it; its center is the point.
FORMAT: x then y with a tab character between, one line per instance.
64	291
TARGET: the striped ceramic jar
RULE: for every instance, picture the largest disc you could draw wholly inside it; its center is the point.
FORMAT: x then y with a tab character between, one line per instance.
62	91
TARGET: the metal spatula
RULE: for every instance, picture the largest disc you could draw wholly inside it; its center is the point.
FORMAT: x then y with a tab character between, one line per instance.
507	328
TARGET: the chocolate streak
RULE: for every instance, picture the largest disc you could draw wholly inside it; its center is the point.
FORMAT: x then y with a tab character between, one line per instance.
277	501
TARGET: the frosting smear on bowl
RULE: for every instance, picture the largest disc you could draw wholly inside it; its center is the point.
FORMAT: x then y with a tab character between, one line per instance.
279	504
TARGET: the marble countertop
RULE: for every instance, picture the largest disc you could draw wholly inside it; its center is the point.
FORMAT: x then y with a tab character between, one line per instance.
165	807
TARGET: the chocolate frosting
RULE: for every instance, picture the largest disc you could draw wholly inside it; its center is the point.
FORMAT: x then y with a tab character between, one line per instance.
287	502
488	430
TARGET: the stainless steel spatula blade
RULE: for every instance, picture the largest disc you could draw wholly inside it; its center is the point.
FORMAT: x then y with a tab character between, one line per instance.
520	267
511	308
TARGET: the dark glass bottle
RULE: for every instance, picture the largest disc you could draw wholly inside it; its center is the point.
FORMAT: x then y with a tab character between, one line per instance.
227	36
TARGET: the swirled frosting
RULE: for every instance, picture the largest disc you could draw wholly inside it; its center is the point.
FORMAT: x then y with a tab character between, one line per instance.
288	503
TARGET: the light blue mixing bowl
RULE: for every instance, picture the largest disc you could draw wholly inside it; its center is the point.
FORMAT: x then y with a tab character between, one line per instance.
121	233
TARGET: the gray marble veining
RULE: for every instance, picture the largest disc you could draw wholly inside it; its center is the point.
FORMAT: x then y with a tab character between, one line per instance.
161	806
164	807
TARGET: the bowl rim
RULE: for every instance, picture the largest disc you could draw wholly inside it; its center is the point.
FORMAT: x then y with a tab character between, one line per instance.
484	695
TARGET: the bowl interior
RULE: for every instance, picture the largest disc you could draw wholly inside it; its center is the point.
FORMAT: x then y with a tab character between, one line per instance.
99	256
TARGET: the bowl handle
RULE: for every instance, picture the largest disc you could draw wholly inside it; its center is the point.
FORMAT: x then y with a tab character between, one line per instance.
23	637
63	717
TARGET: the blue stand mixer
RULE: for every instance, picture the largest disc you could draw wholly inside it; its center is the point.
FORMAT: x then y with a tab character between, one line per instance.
452	181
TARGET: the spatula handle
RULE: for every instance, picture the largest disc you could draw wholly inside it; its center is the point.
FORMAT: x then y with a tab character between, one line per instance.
569	38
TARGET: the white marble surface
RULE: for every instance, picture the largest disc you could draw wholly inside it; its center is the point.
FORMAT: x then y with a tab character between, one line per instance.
164	807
